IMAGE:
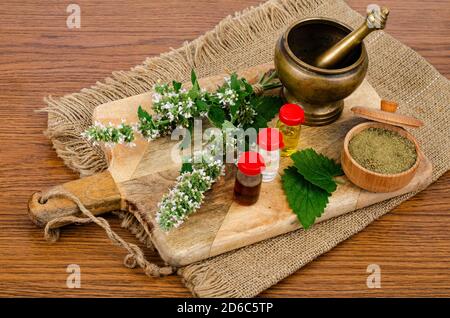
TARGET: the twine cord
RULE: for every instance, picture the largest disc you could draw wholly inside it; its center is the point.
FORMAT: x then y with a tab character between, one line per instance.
135	256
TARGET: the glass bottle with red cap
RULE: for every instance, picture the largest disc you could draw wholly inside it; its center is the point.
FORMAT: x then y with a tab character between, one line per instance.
270	142
248	178
291	117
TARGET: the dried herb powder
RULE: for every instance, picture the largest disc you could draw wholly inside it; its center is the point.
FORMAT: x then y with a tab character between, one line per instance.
383	151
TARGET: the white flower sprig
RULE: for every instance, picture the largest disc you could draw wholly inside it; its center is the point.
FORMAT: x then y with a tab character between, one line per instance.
110	134
234	104
235	97
175	107
187	195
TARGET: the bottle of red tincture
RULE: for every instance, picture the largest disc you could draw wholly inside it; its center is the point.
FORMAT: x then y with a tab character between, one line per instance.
248	178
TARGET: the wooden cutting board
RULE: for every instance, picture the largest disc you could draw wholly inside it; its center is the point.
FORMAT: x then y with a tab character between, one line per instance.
138	177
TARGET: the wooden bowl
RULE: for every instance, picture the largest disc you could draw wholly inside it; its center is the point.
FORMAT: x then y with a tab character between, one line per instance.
373	181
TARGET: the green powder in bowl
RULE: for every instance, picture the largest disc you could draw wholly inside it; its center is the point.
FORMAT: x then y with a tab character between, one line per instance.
383	151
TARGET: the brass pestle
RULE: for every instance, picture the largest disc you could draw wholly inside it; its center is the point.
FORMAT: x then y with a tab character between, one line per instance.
376	20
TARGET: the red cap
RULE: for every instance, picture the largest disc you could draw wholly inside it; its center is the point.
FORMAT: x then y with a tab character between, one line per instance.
251	163
270	139
292	114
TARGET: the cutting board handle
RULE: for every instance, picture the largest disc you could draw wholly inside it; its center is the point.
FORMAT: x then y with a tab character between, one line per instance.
98	193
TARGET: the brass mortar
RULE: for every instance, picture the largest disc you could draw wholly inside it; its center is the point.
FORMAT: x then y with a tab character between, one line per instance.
319	91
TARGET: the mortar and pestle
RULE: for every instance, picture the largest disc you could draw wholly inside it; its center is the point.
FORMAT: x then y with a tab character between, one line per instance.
321	61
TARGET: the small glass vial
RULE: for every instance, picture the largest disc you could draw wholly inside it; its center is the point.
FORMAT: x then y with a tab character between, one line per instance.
270	142
291	117
248	178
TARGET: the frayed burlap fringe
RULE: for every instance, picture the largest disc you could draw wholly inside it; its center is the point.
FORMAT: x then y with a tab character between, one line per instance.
240	41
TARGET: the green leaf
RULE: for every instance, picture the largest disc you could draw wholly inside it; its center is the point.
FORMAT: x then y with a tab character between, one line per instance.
194	92
186	167
317	169
217	116
259	122
144	115
234	82
248	87
234	108
194	78
306	200
176	86
266	108
201	105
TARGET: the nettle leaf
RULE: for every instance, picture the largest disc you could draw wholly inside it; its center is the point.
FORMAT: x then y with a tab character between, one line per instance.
306	200
217	116
268	106
259	122
317	169
234	108
186	167
248	87
144	115
176	86
194	80
202	106
234	82
194	92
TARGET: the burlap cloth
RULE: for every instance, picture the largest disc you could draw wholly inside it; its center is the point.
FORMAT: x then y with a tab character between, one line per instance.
245	40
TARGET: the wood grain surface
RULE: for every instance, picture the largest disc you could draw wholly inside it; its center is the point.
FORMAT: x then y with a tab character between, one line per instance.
39	55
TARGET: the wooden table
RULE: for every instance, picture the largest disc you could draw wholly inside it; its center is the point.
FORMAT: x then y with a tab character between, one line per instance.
40	56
